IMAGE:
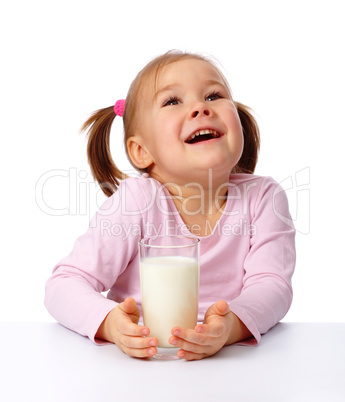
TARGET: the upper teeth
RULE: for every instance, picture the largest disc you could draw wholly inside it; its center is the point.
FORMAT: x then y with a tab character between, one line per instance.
202	132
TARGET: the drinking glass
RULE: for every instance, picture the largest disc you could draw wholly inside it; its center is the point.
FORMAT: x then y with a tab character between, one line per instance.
169	282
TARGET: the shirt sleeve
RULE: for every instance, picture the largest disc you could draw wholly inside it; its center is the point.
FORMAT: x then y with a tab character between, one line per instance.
266	295
73	292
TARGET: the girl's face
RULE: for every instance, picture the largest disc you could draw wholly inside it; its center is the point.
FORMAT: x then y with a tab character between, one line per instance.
191	125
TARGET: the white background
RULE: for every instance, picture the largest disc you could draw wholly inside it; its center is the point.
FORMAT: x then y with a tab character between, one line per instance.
62	60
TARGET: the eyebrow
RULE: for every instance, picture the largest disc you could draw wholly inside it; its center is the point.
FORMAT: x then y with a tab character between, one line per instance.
165	89
174	86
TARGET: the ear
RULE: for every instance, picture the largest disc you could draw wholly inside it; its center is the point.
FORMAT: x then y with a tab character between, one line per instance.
138	154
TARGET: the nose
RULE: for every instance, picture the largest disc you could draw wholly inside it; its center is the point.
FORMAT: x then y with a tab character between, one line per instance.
201	109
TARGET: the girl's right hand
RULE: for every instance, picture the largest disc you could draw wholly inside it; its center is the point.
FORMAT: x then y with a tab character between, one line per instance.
121	327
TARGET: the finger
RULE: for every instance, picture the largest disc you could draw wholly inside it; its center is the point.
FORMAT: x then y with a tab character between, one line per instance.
203	334
214	331
135	342
189	346
137	346
129	306
184	334
141	353
128	328
132	340
187	355
219	308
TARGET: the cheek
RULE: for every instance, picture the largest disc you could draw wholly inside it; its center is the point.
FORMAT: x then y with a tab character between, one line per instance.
169	130
237	133
236	126
170	121
237	145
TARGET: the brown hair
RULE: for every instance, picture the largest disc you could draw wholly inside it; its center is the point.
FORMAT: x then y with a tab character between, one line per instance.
98	126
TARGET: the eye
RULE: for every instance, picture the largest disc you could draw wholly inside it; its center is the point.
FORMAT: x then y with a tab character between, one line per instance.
213	96
171	101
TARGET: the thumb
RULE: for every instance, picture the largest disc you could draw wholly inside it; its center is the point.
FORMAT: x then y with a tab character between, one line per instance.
219	308
129	306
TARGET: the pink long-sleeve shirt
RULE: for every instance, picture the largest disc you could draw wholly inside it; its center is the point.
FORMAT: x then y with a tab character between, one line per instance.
248	259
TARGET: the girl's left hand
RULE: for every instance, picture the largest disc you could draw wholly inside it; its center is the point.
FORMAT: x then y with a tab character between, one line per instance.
205	339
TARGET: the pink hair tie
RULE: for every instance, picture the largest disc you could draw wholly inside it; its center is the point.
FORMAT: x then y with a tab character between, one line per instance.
119	107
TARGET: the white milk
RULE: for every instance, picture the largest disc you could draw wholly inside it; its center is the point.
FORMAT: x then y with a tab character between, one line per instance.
169	294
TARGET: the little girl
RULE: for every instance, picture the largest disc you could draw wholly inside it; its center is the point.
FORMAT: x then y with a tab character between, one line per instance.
196	149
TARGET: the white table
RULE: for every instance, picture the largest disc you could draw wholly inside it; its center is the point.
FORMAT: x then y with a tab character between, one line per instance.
294	362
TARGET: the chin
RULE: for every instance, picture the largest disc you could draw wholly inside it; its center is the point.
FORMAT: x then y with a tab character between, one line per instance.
220	163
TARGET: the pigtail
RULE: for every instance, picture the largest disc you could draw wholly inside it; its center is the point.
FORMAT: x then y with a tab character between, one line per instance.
251	134
103	168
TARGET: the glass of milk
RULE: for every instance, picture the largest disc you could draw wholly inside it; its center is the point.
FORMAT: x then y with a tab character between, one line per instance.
169	281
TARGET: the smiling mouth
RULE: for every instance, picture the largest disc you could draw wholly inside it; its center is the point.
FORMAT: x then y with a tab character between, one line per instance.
202	135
